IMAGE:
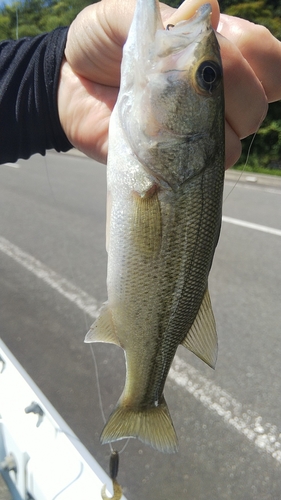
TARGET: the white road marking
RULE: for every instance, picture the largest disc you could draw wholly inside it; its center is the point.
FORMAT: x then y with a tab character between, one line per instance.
12	165
264	435
252	225
252	187
73	293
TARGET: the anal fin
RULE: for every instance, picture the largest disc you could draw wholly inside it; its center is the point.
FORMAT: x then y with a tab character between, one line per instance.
202	337
102	330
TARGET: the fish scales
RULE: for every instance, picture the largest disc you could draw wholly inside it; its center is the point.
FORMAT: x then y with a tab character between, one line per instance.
165	184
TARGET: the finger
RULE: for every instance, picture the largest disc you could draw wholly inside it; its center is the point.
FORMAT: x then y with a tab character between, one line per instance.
84	110
99	32
261	50
188	8
245	99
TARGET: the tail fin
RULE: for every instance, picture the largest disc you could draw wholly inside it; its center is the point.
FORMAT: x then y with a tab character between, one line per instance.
152	426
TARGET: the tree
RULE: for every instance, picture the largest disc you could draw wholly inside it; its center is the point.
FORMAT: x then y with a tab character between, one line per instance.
266	147
4	26
172	3
32	17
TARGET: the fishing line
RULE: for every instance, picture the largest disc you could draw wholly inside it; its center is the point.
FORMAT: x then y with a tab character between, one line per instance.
247	157
62	232
114	456
71	270
100	399
71	482
244	166
87	322
98	386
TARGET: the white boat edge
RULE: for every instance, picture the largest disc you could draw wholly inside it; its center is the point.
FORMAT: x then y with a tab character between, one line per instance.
51	462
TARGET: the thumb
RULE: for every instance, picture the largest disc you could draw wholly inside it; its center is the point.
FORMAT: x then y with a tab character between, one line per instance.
188	8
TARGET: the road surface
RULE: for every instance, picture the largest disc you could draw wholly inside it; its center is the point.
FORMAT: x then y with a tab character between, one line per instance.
53	272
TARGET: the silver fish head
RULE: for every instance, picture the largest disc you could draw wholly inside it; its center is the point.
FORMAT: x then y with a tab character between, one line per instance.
171	102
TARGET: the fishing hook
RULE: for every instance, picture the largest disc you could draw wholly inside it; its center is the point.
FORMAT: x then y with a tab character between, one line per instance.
113	471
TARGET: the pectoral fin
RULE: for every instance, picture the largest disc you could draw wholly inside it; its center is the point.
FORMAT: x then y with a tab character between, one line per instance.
147	225
202	336
102	330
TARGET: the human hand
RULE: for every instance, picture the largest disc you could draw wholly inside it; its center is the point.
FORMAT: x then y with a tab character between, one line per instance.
251	58
90	74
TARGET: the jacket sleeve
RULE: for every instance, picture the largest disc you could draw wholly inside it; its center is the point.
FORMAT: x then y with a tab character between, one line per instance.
29	77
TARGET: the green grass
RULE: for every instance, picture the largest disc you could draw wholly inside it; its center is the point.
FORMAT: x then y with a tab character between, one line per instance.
258	170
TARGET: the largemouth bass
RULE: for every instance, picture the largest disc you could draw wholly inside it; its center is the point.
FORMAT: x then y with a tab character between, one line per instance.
165	184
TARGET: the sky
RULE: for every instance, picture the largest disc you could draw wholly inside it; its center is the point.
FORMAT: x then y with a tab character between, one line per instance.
7	2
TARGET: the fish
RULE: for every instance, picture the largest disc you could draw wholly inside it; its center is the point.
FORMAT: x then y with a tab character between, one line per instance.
165	177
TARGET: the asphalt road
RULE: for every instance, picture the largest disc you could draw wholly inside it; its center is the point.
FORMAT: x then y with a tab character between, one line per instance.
228	420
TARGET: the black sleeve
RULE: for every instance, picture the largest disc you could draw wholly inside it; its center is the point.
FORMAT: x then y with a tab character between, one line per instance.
29	76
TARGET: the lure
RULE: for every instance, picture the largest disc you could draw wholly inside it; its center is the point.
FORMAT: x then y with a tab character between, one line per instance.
113	471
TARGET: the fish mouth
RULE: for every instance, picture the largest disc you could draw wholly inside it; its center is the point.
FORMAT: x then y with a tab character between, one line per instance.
179	39
158	41
194	23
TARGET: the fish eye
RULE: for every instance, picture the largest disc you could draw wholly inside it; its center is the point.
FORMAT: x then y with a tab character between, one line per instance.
208	75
